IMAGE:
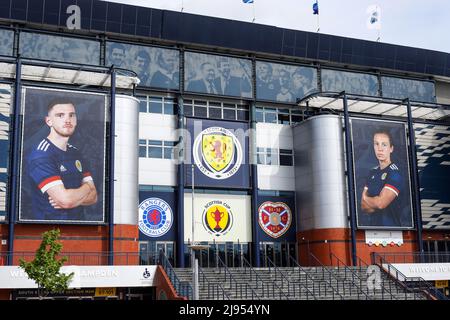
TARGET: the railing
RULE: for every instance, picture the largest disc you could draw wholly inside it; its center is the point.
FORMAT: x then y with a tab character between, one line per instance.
87	258
328	277
269	289
415	257
415	285
292	286
355	278
215	291
242	289
182	288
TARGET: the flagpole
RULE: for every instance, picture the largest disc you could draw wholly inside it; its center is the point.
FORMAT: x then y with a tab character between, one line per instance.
182	5
318	23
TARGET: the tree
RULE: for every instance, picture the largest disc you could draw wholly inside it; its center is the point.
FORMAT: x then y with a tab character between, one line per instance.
44	269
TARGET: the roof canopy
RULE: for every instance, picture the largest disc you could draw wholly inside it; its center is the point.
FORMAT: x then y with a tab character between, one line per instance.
375	106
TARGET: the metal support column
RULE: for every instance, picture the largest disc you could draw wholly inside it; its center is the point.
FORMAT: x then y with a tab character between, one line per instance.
112	135
350	176
14	190
254	174
180	190
414	176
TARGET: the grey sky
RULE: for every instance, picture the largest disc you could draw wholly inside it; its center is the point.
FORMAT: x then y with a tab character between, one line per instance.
415	23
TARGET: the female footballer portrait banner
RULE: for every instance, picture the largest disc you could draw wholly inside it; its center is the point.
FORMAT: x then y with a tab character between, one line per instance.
63	156
383	190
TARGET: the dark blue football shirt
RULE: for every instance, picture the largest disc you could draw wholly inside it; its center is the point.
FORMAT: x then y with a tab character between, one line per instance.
49	166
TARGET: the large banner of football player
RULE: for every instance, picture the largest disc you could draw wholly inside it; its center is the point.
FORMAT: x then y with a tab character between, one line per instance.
383	190
63	156
155	67
219	153
218	75
276	219
156	216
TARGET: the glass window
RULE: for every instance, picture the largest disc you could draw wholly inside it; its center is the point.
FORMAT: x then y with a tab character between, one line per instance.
229	114
169	107
170	143
296	119
259	115
270	117
168	153
286	160
155	142
143	105
155	152
242	114
215	113
272	159
283	118
155	105
142	152
261	158
200	112
188	110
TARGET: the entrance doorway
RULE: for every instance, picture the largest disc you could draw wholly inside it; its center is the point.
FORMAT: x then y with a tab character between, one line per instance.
149	251
279	253
232	254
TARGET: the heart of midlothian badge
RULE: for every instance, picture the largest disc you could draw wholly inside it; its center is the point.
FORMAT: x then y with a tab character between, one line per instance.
274	218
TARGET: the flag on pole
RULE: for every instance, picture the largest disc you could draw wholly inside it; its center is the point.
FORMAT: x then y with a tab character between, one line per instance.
315	8
247	1
374	19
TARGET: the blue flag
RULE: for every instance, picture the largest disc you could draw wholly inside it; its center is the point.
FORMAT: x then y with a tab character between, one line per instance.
315	8
247	1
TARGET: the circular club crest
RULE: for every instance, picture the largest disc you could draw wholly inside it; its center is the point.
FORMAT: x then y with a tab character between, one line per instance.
155	217
217	153
274	218
217	218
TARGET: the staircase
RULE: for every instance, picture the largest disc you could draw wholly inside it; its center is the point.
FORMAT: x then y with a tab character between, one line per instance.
294	283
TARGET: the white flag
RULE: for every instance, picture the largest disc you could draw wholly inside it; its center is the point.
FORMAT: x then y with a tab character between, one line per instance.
374	19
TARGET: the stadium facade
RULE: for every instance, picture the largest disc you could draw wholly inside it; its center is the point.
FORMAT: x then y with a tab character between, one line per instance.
254	141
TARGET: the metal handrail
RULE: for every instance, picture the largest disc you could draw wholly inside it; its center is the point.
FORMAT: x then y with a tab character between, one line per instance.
310	277
181	287
409	283
217	289
415	257
285	278
233	281
354	274
330	275
273	284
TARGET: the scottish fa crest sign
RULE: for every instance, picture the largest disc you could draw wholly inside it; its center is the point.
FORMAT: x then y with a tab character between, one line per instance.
274	218
217	218
217	153
155	217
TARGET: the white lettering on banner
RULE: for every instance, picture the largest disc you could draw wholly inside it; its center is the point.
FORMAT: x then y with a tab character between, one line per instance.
74	21
99	274
427	271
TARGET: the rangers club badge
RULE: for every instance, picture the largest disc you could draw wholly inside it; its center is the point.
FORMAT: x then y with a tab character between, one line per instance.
217	218
217	153
155	217
274	218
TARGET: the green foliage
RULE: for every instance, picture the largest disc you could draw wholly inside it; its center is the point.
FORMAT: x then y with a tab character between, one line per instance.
44	269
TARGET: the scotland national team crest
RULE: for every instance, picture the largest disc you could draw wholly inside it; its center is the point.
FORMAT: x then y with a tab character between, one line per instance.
155	217
274	218
217	153
217	218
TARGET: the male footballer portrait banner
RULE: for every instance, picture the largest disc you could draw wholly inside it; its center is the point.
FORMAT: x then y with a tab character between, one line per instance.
63	156
383	190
